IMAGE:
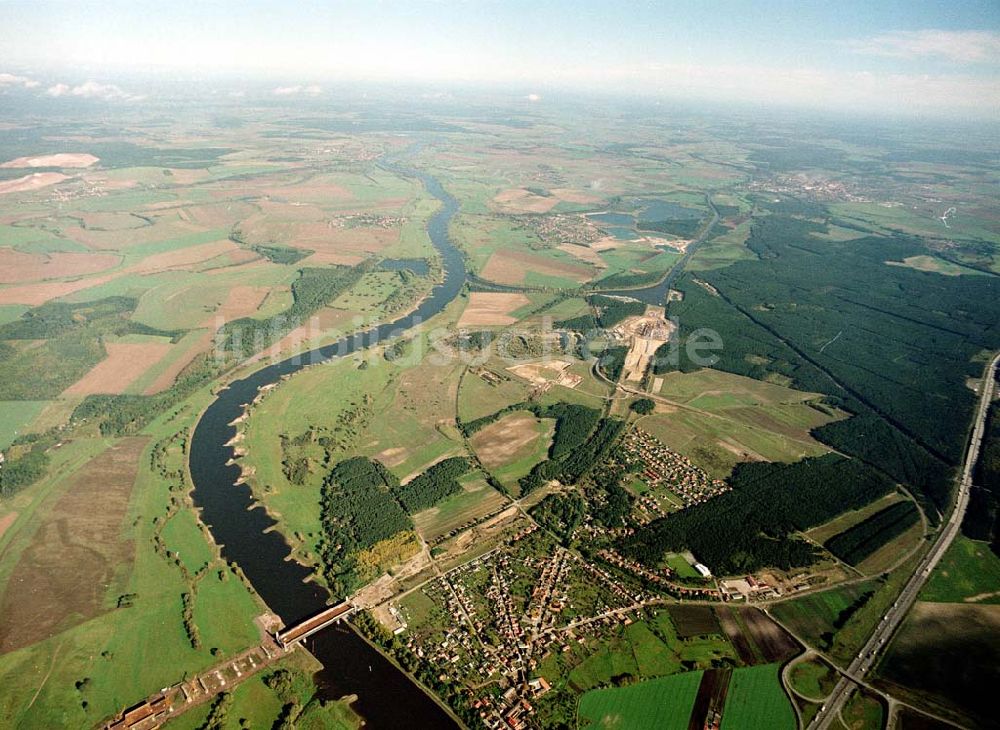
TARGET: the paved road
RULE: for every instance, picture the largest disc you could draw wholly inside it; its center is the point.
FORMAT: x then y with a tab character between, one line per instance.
868	656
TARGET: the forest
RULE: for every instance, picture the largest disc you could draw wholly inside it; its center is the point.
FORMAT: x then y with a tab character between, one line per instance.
886	342
574	464
438	482
752	526
313	288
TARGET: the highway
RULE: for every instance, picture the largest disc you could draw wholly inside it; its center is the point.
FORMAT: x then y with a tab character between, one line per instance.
879	639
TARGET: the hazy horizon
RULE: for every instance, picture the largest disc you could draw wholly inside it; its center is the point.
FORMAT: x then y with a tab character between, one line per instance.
892	59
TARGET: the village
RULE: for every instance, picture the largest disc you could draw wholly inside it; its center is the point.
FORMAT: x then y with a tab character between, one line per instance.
673	482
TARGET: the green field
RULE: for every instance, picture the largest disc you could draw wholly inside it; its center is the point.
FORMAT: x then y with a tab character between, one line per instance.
656	704
756	700
968	572
124	653
15	415
735	418
813	678
646	649
814	616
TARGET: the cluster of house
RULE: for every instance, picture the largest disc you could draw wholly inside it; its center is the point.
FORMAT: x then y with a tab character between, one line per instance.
511	709
493	639
556	229
366	220
812	187
662	467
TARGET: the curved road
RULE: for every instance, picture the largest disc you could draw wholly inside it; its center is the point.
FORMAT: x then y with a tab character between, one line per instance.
869	654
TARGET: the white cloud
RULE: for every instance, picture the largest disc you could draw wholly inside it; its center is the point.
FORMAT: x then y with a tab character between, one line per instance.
964	46
311	90
533	97
7	79
92	90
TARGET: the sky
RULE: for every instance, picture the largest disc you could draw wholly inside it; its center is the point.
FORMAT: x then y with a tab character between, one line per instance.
937	58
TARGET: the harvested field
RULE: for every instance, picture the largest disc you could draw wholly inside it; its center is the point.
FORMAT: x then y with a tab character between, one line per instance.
775	644
520	200
111	221
166	378
125	362
694	620
61	577
758	639
506	440
17	267
35	294
328	322
575	196
34	181
476	500
491	308
509	267
731	626
241	301
584	253
183	258
61	159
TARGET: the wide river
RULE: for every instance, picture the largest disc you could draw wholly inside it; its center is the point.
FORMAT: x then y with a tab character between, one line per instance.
386	696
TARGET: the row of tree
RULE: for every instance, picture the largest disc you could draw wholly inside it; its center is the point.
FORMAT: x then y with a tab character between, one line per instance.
861	540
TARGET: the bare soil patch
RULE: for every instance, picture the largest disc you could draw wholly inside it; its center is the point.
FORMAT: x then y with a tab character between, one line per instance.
241	301
6	521
492	308
125	362
711	698
506	440
18	267
509	267
60	578
61	159
34	181
775	644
